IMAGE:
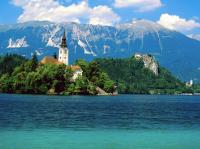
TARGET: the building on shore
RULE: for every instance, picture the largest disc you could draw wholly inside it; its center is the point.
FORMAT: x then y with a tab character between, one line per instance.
189	84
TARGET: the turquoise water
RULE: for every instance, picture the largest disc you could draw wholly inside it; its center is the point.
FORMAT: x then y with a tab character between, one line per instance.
59	139
119	122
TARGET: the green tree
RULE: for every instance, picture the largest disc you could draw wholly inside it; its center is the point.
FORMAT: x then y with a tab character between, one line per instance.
82	86
6	84
34	62
105	82
9	62
84	66
94	72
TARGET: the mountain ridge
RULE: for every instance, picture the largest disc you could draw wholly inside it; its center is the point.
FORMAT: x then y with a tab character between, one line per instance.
171	48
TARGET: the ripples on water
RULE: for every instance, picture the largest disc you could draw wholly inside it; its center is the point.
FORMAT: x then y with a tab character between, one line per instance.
117	112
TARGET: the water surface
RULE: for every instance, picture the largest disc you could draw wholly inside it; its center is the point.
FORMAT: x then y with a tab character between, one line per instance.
111	122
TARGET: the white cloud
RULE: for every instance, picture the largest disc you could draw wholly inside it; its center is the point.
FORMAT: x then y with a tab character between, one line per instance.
140	5
103	15
52	10
20	2
175	22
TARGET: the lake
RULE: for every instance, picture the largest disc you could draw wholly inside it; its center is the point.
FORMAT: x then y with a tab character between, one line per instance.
96	122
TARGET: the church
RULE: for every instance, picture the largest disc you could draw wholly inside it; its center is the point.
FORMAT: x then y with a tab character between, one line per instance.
63	58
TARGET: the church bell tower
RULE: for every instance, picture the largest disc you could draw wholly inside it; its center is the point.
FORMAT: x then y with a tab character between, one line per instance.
63	51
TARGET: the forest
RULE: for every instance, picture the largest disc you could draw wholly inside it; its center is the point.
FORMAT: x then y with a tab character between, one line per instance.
132	77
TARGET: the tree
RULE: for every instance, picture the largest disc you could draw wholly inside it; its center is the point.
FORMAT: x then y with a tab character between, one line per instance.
105	82
34	62
6	84
9	62
82	86
84	66
94	72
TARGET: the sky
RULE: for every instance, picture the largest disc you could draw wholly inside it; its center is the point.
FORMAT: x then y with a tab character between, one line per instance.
179	15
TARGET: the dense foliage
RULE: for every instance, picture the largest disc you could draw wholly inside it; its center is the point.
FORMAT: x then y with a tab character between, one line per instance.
9	62
131	76
96	75
19	75
34	78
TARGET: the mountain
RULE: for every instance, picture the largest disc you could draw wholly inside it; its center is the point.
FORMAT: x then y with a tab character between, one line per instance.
175	51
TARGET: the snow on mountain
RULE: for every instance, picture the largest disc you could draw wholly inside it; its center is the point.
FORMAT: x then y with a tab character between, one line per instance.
18	43
194	36
105	49
53	41
139	29
83	45
38	52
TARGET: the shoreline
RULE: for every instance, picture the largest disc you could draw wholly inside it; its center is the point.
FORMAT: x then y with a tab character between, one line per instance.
111	95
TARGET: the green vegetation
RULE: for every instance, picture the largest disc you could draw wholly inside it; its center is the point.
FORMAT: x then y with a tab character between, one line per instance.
9	62
19	75
96	75
131	77
33	78
195	89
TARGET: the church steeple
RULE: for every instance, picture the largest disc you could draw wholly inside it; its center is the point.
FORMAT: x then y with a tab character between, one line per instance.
63	51
64	42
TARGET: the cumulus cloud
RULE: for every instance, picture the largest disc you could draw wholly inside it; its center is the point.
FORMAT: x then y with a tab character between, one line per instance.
175	22
52	10
139	5
103	15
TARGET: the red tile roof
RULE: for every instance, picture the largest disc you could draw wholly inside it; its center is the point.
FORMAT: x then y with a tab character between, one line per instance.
50	60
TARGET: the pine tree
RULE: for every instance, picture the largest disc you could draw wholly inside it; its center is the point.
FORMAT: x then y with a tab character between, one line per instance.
34	62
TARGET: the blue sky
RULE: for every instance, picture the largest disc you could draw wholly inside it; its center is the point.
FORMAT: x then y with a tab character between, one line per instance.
180	15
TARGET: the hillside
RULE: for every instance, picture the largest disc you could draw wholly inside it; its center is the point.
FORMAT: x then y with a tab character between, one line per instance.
172	49
131	76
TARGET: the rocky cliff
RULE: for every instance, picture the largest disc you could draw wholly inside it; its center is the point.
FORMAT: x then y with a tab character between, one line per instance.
149	62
